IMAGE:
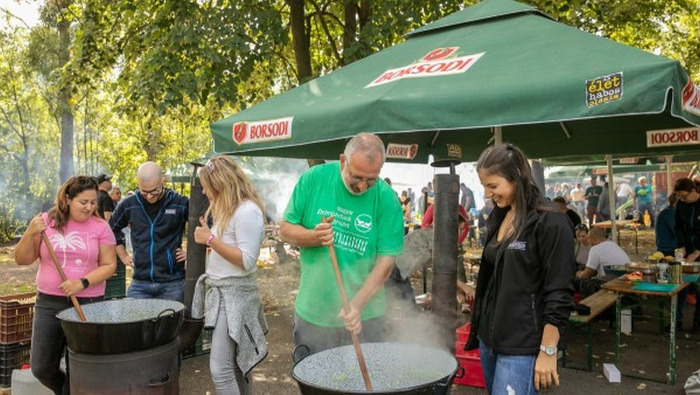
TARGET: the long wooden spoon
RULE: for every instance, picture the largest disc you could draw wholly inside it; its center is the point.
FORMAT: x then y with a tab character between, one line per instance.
62	274
346	307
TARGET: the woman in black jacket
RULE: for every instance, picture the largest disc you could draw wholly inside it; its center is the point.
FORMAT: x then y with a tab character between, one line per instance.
524	293
687	225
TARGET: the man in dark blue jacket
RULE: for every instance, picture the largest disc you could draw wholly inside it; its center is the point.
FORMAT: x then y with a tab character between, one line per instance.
157	218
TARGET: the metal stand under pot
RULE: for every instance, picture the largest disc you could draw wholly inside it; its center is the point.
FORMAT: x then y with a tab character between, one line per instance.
125	346
149	372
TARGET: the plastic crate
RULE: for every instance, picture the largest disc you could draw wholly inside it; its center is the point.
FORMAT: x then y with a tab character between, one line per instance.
201	346
470	364
463	332
469	361
12	356
16	316
115	286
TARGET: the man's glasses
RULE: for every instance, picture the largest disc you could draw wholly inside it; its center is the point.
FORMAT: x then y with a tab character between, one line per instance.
153	192
581	227
356	180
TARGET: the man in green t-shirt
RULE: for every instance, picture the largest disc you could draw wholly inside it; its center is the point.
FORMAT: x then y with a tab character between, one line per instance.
367	235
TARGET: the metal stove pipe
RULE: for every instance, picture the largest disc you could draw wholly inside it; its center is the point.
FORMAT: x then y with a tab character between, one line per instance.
196	259
445	224
196	253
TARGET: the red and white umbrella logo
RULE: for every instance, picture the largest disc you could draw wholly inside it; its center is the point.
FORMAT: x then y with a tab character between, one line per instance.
440	53
240	131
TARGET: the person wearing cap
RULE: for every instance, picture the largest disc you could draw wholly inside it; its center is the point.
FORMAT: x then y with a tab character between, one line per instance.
157	216
105	204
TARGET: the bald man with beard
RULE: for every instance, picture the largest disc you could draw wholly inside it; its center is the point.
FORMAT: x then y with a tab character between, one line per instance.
157	217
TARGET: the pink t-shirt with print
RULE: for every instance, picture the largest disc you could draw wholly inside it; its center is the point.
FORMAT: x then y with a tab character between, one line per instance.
77	248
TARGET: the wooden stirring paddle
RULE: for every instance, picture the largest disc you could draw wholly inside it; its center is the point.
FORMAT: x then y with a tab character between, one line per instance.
346	307
62	274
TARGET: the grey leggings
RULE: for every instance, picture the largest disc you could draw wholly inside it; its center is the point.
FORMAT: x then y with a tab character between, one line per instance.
228	378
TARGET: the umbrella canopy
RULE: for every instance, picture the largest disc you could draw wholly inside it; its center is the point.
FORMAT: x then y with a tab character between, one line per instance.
555	91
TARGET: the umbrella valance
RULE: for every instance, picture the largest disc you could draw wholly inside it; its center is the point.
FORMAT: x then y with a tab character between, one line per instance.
554	90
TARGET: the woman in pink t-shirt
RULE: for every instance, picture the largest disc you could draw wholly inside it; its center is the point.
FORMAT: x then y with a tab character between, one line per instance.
85	247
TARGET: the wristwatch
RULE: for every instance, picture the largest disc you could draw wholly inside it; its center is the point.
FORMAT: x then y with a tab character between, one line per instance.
85	282
549	350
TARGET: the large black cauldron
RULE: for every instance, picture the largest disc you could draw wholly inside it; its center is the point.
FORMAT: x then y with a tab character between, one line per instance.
122	326
394	368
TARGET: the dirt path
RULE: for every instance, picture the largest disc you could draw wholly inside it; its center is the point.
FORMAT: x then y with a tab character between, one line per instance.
644	351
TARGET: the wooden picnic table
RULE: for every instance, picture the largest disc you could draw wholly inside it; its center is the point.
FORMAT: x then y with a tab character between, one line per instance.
622	286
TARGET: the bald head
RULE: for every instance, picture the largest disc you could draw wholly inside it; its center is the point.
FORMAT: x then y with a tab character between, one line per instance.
150	178
149	172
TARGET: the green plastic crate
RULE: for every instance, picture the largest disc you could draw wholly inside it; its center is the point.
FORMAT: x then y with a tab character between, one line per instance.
201	346
116	285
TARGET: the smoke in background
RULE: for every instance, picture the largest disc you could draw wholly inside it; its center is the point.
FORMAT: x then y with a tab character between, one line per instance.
274	179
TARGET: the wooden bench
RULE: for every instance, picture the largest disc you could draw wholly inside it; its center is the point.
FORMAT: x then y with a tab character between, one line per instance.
598	302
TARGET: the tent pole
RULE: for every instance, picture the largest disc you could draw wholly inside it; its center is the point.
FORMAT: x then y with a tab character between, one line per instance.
611	198
498	136
669	187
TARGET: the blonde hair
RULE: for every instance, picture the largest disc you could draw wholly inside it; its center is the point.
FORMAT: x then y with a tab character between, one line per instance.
224	177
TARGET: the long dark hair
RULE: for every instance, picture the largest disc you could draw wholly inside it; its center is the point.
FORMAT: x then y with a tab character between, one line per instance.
509	162
685	185
73	186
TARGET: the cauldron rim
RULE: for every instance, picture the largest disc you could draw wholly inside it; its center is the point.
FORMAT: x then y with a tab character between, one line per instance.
445	380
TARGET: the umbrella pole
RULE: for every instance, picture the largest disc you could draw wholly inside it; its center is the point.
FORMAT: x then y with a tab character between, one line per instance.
54	258
346	307
611	198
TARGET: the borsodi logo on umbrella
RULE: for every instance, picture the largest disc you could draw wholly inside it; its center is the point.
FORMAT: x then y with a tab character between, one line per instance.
262	131
440	61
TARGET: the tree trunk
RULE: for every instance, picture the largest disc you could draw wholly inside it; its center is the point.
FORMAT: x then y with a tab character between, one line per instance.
300	40
66	169
349	31
365	13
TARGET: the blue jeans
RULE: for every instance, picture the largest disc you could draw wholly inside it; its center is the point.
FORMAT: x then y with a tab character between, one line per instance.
310	339
172	290
507	374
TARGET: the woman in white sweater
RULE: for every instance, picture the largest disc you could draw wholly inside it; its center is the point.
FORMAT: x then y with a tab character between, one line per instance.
232	302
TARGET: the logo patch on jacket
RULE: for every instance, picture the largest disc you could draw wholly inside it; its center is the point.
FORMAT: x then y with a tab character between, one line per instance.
170	211
517	245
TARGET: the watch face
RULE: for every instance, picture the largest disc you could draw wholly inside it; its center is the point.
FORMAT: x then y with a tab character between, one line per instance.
548	350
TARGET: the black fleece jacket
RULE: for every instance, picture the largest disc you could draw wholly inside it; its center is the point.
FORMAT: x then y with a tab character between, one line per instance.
530	285
688	225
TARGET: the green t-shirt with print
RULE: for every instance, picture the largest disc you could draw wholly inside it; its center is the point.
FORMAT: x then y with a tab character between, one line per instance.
365	226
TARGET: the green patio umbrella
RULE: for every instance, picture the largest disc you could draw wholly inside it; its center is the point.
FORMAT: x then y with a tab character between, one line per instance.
499	65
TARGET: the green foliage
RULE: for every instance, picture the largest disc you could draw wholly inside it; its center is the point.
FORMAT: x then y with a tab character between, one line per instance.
28	137
170	52
147	77
668	28
9	224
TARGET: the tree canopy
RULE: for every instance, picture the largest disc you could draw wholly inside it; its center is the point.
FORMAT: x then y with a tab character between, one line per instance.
111	83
